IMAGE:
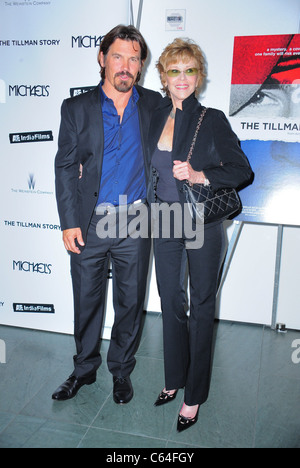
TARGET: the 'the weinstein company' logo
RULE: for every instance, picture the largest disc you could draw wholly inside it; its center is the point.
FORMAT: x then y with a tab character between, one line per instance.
27	3
31	182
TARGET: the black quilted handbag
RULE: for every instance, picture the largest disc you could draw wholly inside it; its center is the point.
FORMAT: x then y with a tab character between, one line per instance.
214	205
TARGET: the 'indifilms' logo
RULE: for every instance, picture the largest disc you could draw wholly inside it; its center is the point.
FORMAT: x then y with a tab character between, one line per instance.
82	90
34	308
31	137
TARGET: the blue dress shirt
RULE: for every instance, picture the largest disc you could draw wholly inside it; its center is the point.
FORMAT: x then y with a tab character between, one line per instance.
123	171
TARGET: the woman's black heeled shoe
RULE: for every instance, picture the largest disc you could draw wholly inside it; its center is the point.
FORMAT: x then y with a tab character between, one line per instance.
185	423
165	397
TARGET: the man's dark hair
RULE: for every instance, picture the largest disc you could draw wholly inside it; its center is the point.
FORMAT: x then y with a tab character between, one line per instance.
126	33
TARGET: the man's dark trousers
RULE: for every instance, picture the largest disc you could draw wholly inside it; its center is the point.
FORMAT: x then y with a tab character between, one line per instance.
130	262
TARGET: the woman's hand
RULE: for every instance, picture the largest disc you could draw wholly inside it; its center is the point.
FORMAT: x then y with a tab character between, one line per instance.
184	171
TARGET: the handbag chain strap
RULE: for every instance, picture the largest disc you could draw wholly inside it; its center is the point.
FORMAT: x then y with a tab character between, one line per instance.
196	134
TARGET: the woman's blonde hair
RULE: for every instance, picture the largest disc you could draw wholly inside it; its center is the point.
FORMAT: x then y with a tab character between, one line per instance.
181	50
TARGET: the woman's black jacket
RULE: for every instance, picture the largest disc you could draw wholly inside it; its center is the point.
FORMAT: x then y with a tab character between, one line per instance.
217	152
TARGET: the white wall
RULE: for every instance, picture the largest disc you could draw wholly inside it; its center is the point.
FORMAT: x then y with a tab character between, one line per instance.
247	294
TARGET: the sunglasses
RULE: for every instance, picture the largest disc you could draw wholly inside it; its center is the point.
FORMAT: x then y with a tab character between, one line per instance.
189	72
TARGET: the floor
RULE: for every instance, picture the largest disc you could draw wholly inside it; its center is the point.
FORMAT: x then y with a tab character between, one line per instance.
254	399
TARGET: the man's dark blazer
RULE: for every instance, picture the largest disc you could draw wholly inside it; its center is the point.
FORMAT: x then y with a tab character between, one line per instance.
217	151
81	141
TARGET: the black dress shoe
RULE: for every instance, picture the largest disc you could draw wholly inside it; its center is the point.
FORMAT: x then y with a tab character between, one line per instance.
185	423
70	387
123	391
165	397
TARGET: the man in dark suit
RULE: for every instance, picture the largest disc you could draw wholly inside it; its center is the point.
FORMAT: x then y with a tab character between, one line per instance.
101	162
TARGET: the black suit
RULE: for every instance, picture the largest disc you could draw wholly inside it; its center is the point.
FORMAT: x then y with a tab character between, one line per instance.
187	349
81	141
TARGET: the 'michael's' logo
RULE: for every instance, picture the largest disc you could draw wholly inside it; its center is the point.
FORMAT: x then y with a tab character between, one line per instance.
87	42
29	90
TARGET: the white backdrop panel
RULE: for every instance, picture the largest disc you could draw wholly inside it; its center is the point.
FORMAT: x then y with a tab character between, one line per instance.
46	48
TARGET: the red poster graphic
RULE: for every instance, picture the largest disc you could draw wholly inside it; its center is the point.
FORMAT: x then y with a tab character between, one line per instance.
266	76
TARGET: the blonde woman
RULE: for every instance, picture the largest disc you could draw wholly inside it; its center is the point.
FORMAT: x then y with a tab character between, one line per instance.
188	340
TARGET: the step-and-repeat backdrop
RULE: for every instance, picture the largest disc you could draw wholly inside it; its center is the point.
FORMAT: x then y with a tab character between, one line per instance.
48	52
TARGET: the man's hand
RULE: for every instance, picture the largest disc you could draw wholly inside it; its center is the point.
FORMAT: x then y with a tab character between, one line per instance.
69	237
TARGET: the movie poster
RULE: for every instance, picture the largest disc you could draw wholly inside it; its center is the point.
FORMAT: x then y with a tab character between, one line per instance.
265	113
